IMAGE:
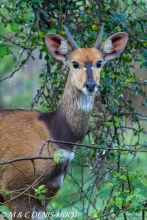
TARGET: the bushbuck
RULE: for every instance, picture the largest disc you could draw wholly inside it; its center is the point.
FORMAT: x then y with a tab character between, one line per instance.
23	132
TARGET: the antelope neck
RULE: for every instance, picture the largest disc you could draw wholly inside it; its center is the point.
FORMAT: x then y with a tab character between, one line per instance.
69	122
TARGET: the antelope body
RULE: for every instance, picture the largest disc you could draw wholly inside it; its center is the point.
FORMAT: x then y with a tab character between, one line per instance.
22	132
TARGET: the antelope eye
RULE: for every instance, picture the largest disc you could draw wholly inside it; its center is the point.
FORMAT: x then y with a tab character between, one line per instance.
75	65
98	64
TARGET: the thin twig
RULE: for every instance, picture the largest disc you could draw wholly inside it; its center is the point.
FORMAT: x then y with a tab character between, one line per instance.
25	158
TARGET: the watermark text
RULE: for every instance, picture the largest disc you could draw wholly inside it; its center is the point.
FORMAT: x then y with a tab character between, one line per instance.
40	215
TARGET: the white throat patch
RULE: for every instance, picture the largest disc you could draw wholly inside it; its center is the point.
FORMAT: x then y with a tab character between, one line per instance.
85	103
68	155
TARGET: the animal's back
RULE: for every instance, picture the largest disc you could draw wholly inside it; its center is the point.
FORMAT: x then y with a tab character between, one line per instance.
22	135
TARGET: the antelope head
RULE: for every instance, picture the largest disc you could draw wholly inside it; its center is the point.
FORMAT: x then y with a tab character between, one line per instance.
85	63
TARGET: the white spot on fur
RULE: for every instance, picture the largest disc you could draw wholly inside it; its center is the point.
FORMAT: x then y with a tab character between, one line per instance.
60	180
85	102
68	155
65	155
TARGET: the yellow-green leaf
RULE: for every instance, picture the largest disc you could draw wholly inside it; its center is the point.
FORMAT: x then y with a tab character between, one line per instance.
41	34
118	202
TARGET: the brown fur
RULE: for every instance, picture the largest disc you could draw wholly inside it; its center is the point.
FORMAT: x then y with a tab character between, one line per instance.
77	119
22	140
86	55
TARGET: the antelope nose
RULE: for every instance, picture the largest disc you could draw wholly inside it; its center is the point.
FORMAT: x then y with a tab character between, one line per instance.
90	86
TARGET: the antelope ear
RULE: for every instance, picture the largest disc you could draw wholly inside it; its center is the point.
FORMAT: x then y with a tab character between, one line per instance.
114	45
57	46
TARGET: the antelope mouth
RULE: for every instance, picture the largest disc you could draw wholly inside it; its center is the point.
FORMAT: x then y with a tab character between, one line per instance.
90	93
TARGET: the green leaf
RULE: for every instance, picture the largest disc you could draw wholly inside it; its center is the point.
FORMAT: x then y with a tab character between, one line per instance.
41	197
43	191
141	196
23	61
4	50
135	202
8	193
116	101
135	133
41	34
23	5
22	36
56	158
14	27
52	31
85	17
129	198
41	187
108	123
118	202
116	119
33	58
93	154
137	190
5	212
105	191
123	177
129	2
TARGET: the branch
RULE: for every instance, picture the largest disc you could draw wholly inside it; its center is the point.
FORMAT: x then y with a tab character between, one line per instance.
60	143
25	158
15	43
18	68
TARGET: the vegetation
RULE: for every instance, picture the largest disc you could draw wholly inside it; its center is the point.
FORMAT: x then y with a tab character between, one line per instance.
108	178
